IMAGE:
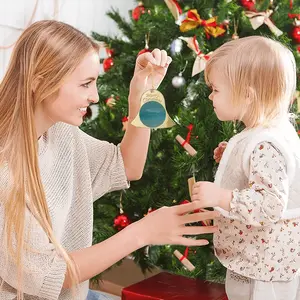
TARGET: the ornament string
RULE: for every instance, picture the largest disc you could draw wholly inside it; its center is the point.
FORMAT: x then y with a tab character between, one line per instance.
181	72
121	205
235	26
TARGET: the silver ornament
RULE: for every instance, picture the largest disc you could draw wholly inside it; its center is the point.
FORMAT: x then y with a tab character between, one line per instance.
176	46
178	81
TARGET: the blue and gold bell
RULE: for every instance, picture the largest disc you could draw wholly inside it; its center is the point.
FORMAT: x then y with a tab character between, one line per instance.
153	113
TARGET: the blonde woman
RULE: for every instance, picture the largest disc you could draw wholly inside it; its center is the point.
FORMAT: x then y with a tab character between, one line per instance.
51	171
256	187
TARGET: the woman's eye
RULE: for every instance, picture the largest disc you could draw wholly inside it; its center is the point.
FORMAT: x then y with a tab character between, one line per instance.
86	85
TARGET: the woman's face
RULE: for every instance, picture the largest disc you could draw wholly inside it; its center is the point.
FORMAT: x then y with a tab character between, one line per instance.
77	92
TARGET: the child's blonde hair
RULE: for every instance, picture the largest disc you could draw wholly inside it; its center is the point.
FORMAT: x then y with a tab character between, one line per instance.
261	73
44	55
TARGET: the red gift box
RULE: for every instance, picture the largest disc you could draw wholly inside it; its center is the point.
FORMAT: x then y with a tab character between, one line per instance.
169	286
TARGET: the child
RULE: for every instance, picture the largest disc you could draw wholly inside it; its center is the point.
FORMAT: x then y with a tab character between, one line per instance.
256	187
51	171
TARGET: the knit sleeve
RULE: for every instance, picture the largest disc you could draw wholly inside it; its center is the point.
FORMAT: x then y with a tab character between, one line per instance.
43	269
266	198
106	166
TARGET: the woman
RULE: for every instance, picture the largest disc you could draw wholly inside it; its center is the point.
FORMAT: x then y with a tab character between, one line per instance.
52	172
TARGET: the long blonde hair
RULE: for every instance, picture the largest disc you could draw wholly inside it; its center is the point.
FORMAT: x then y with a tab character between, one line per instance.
259	69
44	55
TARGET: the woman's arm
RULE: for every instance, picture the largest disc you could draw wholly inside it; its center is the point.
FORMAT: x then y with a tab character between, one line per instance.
163	226
150	70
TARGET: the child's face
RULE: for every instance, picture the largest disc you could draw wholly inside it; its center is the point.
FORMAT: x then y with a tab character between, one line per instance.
76	93
221	96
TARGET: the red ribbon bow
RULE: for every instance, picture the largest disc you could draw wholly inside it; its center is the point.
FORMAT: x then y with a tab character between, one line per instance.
188	137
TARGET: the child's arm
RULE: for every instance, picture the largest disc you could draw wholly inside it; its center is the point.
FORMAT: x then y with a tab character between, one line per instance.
266	198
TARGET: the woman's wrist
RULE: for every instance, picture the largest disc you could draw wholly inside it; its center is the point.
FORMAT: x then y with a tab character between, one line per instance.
136	235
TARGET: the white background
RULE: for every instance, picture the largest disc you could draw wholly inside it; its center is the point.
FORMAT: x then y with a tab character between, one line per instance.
86	15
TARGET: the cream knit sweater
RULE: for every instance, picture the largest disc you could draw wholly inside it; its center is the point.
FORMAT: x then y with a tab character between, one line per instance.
76	170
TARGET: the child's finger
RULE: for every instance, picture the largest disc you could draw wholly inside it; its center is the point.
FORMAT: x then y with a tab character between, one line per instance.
222	144
216	150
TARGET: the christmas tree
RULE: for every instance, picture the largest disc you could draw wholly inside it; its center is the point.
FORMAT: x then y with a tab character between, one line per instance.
189	30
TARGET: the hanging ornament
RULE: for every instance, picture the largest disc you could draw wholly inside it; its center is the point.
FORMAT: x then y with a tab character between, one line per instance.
125	123
235	35
111	101
146	49
176	47
201	58
122	220
175	10
108	63
193	21
184	260
185	143
153	113
248	4
179	81
259	18
138	11
295	33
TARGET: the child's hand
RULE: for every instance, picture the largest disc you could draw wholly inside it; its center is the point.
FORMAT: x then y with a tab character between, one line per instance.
150	70
211	195
218	152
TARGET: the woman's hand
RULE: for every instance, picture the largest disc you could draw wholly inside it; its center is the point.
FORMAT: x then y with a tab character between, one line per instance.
167	225
150	70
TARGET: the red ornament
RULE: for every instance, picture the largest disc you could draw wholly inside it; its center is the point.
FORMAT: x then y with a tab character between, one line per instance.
184	202
136	13
110	52
108	63
121	221
125	123
248	4
111	101
296	34
144	51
